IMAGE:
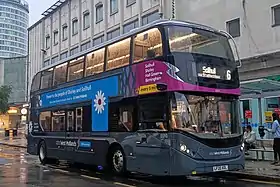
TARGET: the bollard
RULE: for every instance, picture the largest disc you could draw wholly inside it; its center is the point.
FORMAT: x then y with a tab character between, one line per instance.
6	132
11	133
14	132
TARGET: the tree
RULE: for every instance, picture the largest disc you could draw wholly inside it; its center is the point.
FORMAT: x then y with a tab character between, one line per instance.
5	92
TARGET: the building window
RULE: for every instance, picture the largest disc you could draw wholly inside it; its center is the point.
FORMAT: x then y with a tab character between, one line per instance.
48	41
46	63
128	27
150	18
63	55
99	13
85	46
74	26
113	34
55	37
233	27
64	32
86	20
130	2
74	51
276	15
54	59
113	6
98	41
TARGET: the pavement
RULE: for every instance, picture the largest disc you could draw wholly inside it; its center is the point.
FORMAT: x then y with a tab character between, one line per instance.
254	170
20	141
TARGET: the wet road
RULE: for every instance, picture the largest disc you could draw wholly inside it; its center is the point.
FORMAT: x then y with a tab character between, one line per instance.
18	169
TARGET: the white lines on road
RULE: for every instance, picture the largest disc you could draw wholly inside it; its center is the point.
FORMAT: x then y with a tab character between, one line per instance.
90	177
260	182
116	183
122	184
61	170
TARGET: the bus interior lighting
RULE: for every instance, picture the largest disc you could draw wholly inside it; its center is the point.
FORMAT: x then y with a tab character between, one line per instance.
78	71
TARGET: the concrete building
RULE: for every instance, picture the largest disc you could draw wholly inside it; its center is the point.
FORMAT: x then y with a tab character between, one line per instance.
14	15
13	73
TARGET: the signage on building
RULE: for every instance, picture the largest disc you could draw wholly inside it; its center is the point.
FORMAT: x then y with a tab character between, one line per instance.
23	111
277	110
268	116
248	114
272	105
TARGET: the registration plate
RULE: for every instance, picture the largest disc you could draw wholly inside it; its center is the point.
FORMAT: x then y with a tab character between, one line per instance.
220	168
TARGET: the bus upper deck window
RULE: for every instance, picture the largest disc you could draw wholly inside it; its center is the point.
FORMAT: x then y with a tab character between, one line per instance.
36	82
147	45
95	62
46	79
60	74
76	69
118	54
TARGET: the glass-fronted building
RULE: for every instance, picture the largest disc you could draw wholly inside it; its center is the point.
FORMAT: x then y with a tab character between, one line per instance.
14	17
260	99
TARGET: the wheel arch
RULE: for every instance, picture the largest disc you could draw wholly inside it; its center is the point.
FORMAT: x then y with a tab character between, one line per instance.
112	146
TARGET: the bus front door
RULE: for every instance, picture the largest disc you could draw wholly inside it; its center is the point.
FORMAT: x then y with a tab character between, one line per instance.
152	152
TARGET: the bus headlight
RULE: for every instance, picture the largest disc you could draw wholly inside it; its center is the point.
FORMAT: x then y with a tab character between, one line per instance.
242	147
184	148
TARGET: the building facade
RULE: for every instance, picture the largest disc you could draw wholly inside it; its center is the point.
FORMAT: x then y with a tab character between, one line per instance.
14	16
13	73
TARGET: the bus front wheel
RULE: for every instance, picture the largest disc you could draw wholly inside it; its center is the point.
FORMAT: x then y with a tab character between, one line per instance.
117	161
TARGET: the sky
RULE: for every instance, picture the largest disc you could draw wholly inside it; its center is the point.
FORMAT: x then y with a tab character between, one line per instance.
37	7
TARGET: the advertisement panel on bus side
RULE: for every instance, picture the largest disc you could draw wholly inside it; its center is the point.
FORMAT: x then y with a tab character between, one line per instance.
96	91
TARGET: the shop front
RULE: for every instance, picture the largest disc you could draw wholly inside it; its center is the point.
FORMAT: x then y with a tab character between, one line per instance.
14	117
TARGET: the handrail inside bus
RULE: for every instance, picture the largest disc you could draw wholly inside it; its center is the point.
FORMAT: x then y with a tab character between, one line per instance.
235	47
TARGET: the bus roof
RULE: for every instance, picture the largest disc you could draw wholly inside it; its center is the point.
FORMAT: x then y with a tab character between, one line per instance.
133	32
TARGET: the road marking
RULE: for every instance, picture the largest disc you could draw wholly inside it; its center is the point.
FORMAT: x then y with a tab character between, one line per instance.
122	184
61	170
260	182
90	177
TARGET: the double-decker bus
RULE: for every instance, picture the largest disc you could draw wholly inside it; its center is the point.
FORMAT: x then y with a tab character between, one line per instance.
160	100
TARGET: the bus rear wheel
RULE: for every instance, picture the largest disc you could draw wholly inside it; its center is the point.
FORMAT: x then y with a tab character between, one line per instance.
117	161
42	152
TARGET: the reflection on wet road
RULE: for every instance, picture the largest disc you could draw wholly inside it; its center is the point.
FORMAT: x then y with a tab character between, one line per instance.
18	169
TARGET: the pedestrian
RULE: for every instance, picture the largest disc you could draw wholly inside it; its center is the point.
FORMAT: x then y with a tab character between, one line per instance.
250	139
276	141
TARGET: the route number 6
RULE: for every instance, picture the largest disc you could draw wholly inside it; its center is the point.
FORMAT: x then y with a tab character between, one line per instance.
228	75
